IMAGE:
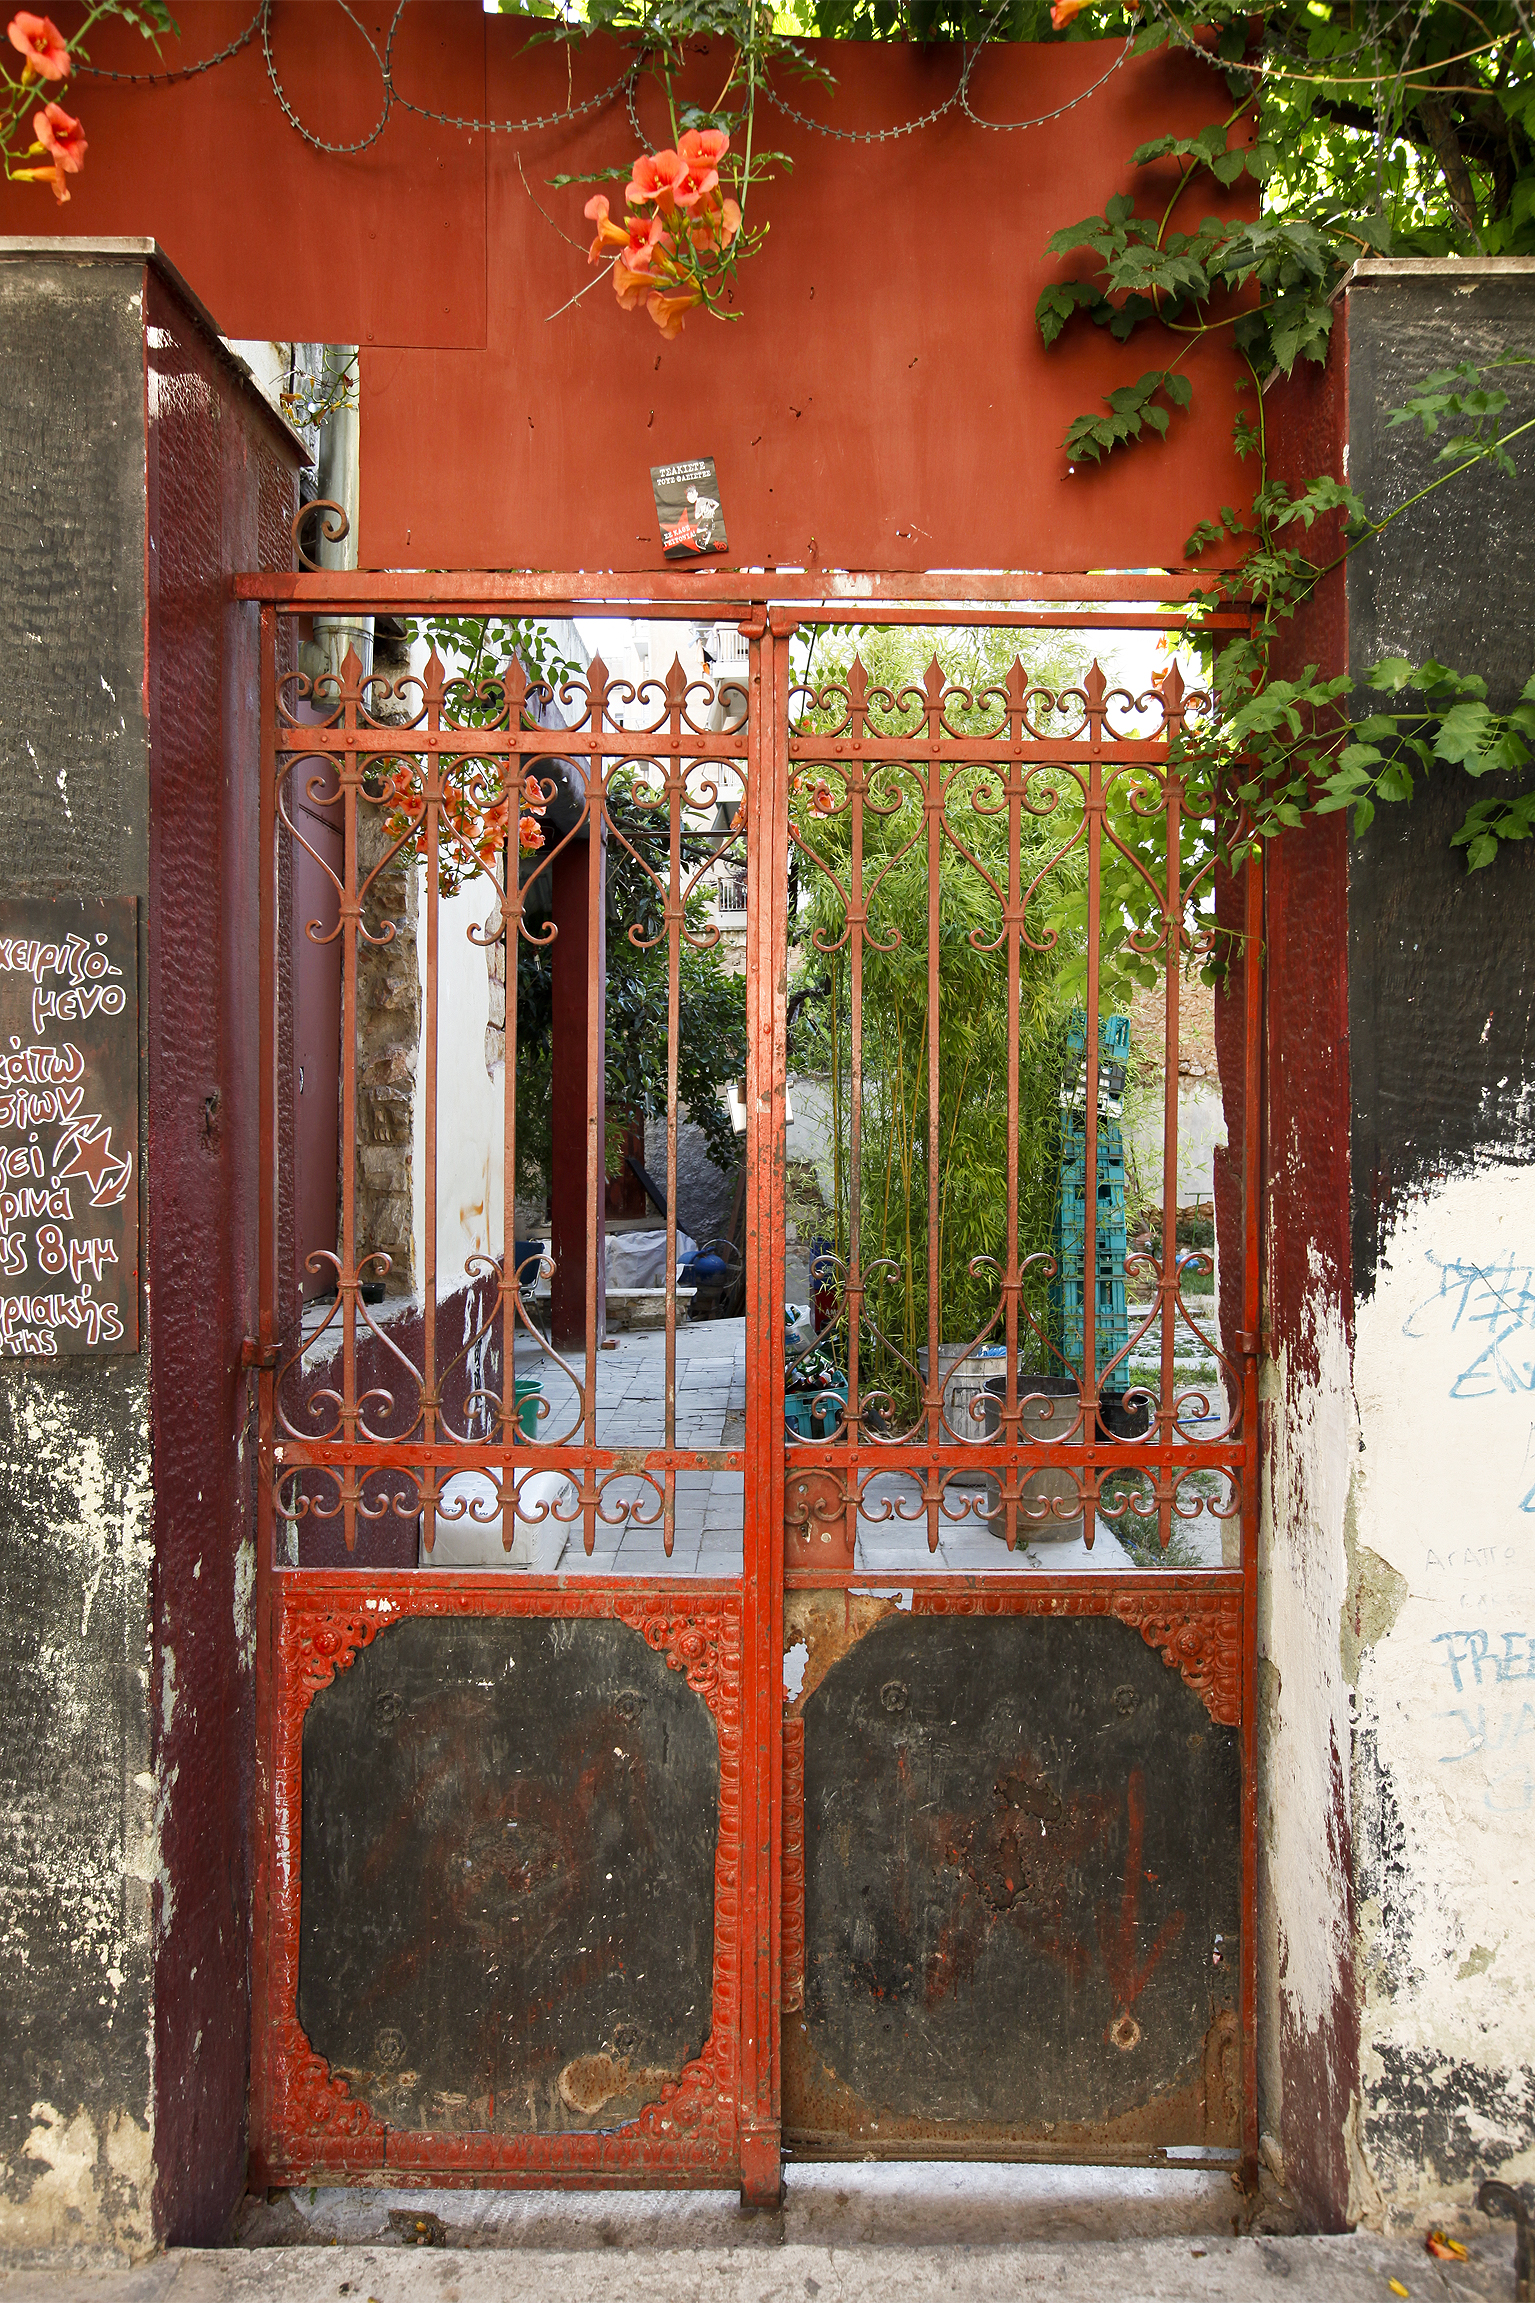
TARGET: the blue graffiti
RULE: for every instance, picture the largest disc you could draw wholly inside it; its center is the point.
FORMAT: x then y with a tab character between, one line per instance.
1488	1732
1467	1652
1499	1301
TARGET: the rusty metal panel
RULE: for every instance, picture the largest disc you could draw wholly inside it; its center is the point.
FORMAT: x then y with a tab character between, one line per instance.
1022	1894
495	1810
69	1127
437	2005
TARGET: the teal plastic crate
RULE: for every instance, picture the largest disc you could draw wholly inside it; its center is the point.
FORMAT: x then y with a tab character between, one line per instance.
1069	1231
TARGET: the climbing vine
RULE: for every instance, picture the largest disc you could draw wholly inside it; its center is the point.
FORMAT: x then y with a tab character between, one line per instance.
49	147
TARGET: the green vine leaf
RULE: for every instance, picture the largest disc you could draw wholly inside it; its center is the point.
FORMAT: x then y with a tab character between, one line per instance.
1131	409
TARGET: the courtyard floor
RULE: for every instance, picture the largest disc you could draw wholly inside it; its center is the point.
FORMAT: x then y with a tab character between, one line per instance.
711	1413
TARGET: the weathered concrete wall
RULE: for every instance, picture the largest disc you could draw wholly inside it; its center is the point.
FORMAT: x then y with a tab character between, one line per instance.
138	468
1436	1632
78	1825
1397	1748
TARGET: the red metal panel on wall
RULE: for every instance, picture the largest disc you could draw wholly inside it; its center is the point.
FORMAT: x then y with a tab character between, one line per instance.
1307	1223
382	246
884	401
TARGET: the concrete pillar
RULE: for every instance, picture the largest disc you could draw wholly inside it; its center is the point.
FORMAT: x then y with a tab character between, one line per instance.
139	468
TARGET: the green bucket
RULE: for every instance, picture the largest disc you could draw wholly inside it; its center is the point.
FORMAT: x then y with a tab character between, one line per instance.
528	1397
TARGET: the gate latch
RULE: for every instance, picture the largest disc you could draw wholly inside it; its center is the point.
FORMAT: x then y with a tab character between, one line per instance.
255	1353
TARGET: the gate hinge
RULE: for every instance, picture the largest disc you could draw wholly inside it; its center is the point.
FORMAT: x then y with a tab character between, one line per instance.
1249	1344
753	625
255	1353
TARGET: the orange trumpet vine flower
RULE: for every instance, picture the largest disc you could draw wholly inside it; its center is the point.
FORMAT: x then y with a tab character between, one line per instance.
671	307
1064	10
43	45
656	176
703	147
53	176
61	137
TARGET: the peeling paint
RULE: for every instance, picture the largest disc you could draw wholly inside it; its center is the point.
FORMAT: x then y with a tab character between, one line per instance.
1305	1940
245	1603
1444	1735
83	2187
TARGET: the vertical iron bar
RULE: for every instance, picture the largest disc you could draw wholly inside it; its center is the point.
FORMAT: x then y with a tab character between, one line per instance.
1017	687
856	936
762	1598
1253	1136
434	814
934	809
351	915
268	1586
596	1150
1096	687
1173	820
509	1430
676	793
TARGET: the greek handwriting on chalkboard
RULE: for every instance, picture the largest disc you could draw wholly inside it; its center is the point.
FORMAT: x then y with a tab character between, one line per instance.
69	1127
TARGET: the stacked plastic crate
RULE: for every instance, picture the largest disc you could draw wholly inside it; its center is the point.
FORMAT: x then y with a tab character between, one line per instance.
1111	1327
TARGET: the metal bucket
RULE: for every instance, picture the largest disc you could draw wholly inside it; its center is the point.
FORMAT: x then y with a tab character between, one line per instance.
1040	1419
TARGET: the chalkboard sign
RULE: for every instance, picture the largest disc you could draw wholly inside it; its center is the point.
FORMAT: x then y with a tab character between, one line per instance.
69	1127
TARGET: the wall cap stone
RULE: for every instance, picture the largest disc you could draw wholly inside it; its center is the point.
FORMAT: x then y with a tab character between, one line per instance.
20	247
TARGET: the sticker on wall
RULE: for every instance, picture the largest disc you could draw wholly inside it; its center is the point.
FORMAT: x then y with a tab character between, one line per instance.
69	1127
688	507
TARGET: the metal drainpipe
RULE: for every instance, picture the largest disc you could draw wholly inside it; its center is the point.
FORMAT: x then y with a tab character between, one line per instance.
337	479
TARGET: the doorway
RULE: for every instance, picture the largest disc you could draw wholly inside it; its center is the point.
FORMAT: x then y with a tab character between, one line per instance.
769	1673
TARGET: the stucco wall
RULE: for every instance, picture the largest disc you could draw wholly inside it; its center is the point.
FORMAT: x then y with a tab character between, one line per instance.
1435	1633
138	469
78	1825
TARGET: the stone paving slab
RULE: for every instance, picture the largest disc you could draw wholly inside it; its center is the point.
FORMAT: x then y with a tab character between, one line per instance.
1178	2270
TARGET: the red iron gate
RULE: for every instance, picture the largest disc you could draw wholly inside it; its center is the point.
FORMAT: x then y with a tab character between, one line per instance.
830	1736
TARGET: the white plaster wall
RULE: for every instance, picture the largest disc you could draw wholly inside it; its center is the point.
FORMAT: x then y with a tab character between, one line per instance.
1201	1128
808	1135
470	1099
1303	1733
1444	1520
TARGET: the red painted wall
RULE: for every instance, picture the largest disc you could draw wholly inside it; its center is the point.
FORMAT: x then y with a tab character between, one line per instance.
222	486
1307	1252
884	401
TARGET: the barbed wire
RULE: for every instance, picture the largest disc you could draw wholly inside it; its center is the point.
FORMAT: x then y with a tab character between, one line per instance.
261	23
318	142
1042	119
181	71
971	58
625	85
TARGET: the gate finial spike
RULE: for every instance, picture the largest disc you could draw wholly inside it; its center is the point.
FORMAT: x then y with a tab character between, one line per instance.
1173	692
934	681
1095	687
676	682
434	679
